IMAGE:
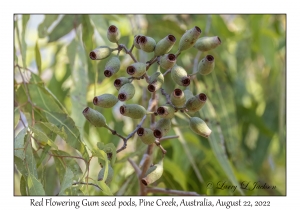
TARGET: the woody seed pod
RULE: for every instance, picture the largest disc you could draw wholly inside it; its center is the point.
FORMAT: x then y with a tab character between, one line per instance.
118	83
113	34
206	65
164	45
156	80
147	43
110	174
94	117
153	173
136	41
162	127
199	127
166	111
167	61
112	66
178	98
207	43
100	53
179	76
188	94
196	102
189	38
126	92
146	135
105	100
133	111
137	69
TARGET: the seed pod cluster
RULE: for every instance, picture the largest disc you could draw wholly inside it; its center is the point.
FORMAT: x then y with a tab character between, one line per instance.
178	99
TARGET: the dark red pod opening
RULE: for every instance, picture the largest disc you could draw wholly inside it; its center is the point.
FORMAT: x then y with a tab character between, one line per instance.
171	38
107	73
202	97
210	58
93	55
140	131
157	133
112	29
122	97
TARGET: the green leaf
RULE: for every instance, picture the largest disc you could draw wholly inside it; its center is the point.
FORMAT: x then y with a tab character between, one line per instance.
43	155
176	171
67	181
43	27
103	156
19	144
35	187
16	117
38	58
30	162
65	25
60	167
109	148
25	19
41	136
106	190
73	135
72	191
20	166
55	129
23	186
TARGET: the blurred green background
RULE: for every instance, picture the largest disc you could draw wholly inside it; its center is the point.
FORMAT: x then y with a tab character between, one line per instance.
246	106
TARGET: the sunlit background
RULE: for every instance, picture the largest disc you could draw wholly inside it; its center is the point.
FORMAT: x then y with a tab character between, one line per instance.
246	106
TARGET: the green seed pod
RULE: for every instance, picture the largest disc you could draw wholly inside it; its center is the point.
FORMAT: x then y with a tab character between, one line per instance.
199	126
147	43
112	66
146	135
206	65
156	80
137	69
166	111
113	34
153	173
179	76
167	61
126	92
207	43
189	38
100	53
196	102
133	111
94	117
118	83
162	127
110	174
164	45
105	100
178	98
188	94
136	41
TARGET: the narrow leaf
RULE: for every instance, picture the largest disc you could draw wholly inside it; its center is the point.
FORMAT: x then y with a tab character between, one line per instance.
43	155
38	58
25	19
42	137
30	162
35	187
23	186
43	27
67	181
19	144
16	117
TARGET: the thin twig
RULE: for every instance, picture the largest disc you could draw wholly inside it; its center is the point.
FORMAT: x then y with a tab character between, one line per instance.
68	156
129	52
87	183
136	168
170	192
167	72
168	137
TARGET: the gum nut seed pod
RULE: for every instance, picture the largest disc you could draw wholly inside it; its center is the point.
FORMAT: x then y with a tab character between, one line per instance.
100	53
112	66
164	45
136	41
153	173
126	92
147	43
162	127
94	117
105	100
118	83
189	38
179	76
166	111
207	43
110	174
196	103
188	94
206	65
156	80
146	135
113	34
199	126
133	111
178	98
167	61
137	69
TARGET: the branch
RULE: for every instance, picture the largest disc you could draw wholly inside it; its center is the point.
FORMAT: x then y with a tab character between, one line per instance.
129	52
136	168
87	183
170	192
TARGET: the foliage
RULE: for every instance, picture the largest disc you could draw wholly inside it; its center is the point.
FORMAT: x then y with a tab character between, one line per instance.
56	150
